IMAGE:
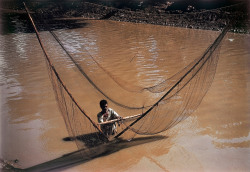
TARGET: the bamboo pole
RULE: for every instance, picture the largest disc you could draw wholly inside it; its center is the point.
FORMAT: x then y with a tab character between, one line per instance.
120	119
57	75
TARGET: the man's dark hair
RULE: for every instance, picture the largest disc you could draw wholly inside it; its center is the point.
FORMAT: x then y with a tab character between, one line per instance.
103	103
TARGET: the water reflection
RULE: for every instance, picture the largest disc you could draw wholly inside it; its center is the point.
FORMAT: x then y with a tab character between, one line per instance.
20	41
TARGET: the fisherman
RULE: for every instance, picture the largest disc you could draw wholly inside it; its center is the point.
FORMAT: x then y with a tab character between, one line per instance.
107	114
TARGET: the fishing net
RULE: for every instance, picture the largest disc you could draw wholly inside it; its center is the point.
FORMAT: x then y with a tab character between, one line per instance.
157	107
163	105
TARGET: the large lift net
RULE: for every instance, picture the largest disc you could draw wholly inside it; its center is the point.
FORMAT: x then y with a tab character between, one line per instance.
154	108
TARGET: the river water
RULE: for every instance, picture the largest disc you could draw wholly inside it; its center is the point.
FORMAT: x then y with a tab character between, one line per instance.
214	138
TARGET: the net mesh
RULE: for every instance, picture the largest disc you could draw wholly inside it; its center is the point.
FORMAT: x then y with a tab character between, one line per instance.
161	106
87	134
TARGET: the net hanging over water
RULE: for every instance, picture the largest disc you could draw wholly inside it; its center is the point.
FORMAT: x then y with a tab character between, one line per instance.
157	108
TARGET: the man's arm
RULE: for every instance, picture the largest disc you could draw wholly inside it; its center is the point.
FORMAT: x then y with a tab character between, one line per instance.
115	114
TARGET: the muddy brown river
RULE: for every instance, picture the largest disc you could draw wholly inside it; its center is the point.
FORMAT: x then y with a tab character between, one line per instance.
214	138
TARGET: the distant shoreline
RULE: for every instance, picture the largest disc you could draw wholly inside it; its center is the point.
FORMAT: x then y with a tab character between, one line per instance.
212	19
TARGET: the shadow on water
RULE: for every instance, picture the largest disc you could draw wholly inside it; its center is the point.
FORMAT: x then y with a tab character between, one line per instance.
82	156
90	140
14	19
19	22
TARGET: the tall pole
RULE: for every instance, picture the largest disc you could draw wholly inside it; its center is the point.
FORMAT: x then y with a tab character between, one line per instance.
57	75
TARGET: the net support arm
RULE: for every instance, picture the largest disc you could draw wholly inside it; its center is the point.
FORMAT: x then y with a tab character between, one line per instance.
209	50
57	75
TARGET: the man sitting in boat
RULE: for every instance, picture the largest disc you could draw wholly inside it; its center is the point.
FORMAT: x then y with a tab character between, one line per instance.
107	114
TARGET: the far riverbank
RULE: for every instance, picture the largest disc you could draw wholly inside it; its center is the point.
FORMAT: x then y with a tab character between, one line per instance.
159	13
